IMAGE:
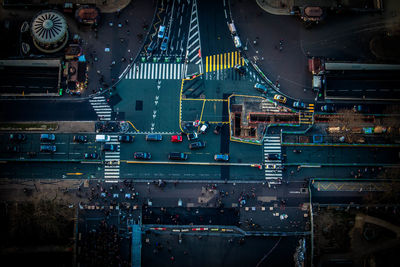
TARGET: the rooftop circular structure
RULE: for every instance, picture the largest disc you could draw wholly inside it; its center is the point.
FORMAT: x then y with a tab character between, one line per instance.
49	31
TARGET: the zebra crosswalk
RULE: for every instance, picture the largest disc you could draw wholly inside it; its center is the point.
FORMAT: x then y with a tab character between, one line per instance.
155	71
223	61
268	106
193	43
112	160
101	107
273	167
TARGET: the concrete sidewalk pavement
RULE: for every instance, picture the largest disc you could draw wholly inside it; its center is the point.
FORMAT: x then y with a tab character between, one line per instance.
276	7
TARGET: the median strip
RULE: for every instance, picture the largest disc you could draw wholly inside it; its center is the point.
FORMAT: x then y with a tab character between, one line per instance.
194	163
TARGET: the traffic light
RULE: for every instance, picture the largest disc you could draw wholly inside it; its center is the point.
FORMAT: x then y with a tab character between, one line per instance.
60	92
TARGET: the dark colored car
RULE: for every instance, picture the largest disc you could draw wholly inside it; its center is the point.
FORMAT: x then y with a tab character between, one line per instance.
192	136
274	156
16	138
91	155
13	149
360	109
261	88
177	156
299	105
218	128
126	138
142	155
48	148
47	137
154	137
328	108
241	69
197	145
80	138
110	147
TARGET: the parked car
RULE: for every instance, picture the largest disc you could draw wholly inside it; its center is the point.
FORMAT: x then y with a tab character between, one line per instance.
261	88
80	138
151	47
110	147
126	138
280	98
16	138
47	137
161	31
153	137
360	109
299	105
164	43
91	155
192	136
328	108
274	156
197	145
13	149
141	155
221	157
176	138
218	128
177	156
203	128
240	69
48	148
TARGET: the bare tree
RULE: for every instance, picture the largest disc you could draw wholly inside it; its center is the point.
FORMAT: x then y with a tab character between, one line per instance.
349	124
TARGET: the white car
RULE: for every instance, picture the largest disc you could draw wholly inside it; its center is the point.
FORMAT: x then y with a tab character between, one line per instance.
161	32
237	42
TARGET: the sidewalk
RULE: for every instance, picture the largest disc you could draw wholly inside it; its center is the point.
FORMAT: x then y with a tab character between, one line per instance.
276	7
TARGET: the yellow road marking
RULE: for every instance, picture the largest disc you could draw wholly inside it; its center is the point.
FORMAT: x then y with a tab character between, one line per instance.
133	126
180	106
213	62
206	64
225	61
202	110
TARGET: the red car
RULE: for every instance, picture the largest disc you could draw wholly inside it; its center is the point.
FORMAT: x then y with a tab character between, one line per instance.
176	138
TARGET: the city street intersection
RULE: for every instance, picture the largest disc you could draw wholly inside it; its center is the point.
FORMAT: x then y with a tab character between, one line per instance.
187	75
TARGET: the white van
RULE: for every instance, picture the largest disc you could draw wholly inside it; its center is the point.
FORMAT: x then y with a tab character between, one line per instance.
102	138
232	28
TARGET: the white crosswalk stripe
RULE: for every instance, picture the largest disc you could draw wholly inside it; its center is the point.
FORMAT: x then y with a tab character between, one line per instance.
101	107
273	168
112	171
151	71
268	106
